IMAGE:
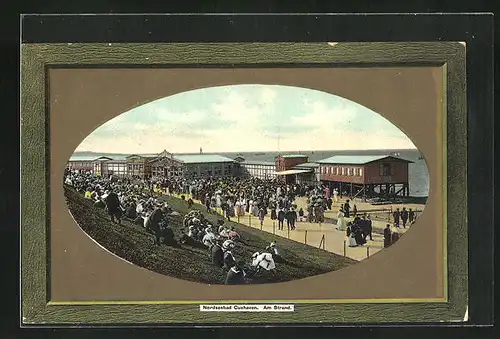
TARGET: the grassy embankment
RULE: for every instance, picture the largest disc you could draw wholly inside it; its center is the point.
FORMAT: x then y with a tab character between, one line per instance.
132	243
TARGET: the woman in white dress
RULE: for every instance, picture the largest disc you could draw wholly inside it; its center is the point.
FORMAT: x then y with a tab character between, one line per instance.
341	221
243	205
237	208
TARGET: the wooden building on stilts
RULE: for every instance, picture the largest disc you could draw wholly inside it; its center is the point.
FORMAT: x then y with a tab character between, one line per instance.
366	176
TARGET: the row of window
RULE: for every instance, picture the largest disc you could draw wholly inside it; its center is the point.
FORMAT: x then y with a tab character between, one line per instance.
255	166
335	170
80	164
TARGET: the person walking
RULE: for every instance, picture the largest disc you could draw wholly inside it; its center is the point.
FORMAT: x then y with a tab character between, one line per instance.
411	216
261	216
396	216
404	216
291	216
281	219
369	227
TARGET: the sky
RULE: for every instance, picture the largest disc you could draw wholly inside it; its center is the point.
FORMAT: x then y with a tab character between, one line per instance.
246	118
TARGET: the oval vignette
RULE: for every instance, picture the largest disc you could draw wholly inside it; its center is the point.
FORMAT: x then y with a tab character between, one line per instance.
246	184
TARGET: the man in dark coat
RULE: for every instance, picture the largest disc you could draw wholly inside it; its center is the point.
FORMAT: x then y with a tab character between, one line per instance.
362	225
387	235
358	235
347	208
236	275
396	216
229	260
404	216
411	216
289	217
217	255
153	223
369	227
281	219
113	207
292	217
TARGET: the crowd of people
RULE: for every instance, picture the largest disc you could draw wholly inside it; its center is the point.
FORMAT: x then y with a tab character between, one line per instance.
236	197
135	199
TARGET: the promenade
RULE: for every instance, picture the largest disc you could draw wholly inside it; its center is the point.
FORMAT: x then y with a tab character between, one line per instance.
325	235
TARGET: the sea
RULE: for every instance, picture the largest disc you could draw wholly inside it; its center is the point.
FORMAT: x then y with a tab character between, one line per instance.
418	172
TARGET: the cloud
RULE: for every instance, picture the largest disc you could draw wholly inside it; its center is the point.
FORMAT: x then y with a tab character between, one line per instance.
319	115
246	118
267	96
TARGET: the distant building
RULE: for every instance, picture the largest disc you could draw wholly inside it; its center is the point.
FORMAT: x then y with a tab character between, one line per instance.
285	167
139	165
85	162
192	165
366	175
309	174
257	169
357	175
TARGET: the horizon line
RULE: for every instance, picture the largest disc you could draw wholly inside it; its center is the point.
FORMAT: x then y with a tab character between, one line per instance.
259	151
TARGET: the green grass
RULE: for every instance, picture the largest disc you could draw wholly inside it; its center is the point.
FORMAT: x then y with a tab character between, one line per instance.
134	244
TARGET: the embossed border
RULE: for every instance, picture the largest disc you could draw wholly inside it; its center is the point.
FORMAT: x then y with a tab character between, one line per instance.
35	159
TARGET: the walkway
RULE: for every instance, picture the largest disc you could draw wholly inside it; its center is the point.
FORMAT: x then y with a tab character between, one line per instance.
324	235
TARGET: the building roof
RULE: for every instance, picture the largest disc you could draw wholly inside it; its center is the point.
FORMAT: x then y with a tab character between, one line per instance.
293	156
292	171
357	159
308	165
92	157
202	158
146	155
267	163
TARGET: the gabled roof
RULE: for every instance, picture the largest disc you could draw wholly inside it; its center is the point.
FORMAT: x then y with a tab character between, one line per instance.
267	163
148	155
292	156
358	159
92	157
307	165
